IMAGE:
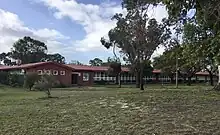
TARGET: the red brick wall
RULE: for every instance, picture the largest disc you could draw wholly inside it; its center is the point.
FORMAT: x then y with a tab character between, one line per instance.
86	83
64	79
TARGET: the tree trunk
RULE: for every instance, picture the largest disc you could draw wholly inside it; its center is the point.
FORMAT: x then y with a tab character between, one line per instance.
137	79
184	79
48	93
211	78
119	80
217	86
189	81
116	79
141	83
171	79
141	78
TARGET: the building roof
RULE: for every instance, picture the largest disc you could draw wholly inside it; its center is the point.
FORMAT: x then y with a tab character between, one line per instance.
31	65
75	67
202	73
156	71
93	68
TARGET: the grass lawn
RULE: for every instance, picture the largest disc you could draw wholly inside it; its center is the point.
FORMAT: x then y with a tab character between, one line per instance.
111	111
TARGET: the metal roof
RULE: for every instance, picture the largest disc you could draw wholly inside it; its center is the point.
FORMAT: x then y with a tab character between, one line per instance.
74	67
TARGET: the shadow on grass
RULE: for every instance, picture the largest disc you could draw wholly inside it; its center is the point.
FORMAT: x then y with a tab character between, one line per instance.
54	97
43	98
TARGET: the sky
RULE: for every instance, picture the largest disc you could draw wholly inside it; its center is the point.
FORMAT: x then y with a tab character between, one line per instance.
72	28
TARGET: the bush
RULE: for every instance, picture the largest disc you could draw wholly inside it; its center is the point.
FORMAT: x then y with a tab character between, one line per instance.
16	80
59	85
45	84
4	78
13	80
30	80
102	82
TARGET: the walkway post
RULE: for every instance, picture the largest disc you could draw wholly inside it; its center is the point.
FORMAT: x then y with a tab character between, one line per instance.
176	71
218	74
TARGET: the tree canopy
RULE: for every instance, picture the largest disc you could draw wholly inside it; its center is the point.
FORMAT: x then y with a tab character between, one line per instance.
137	36
29	50
96	62
75	62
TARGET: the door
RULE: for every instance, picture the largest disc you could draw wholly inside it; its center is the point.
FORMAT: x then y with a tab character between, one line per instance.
74	78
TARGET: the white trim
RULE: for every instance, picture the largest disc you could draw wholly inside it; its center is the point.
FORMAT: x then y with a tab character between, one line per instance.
48	72
85	76
218	74
77	73
55	72
39	72
62	72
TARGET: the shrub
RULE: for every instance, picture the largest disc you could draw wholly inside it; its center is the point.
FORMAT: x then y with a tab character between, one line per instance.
15	80
4	78
12	79
45	84
59	85
30	80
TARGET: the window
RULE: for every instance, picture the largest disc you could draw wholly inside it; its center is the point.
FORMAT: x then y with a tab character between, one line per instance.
62	72
85	76
55	72
39	72
47	72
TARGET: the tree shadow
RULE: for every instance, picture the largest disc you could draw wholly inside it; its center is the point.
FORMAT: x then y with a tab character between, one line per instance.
44	98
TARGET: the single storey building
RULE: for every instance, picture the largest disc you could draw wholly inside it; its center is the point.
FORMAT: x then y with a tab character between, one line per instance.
84	75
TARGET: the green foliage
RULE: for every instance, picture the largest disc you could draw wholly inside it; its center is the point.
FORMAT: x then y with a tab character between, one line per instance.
28	50
116	67
12	79
96	62
16	80
4	78
31	79
166	62
183	56
75	62
148	69
55	58
136	35
46	83
4	57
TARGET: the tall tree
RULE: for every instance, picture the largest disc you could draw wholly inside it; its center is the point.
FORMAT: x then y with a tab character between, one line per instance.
203	49
205	14
55	58
75	62
148	69
28	50
190	62
114	64
138	37
96	62
3	56
165	63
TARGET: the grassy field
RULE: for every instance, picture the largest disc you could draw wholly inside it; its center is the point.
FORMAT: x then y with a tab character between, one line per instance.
111	111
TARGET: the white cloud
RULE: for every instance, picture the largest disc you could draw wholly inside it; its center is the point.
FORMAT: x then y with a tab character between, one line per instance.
95	19
49	34
12	28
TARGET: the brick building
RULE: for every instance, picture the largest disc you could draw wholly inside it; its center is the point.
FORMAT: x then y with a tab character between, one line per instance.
71	75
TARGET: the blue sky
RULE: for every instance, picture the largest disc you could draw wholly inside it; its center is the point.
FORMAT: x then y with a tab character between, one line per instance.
72	28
